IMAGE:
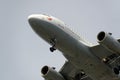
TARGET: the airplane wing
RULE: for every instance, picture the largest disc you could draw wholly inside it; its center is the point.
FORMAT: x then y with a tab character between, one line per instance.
100	52
69	72
108	46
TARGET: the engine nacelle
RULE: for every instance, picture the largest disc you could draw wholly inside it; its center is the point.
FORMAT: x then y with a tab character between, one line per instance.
51	74
107	41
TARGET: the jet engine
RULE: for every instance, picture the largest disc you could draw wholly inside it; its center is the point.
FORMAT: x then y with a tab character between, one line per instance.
107	41
51	74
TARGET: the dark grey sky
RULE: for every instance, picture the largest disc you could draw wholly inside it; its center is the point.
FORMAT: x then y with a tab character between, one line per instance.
23	53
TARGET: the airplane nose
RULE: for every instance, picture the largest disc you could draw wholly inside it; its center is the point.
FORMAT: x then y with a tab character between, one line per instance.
37	22
31	16
34	17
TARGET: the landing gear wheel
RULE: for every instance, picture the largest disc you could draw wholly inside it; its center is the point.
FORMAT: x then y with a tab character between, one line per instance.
52	49
53	42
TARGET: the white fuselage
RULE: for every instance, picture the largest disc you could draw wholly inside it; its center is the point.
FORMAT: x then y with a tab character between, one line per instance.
73	47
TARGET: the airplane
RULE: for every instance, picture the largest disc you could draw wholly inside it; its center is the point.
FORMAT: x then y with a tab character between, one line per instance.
84	61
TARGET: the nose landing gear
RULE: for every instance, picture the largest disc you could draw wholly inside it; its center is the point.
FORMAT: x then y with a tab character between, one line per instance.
53	42
52	49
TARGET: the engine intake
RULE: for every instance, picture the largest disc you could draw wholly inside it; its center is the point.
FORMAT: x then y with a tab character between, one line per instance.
51	74
107	41
101	36
44	70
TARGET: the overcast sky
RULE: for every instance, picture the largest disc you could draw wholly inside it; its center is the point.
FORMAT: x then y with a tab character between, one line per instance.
23	53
